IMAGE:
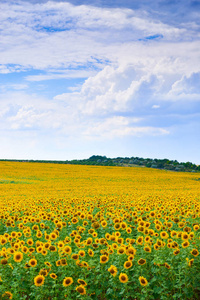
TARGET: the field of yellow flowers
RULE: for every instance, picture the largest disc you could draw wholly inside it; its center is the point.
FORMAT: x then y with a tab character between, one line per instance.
91	232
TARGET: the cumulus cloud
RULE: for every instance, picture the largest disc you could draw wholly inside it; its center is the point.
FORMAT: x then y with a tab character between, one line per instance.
186	87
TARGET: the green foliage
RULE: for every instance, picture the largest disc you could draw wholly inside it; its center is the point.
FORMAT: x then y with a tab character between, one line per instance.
98	160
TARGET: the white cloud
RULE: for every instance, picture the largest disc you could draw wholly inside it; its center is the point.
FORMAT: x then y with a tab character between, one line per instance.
128	77
55	34
17	86
187	87
62	75
119	127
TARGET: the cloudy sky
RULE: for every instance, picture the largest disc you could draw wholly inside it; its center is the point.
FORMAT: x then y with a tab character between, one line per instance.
107	77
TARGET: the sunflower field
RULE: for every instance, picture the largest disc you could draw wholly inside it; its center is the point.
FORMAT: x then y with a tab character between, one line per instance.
92	232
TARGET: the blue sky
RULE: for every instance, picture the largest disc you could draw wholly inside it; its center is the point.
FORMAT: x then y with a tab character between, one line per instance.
114	78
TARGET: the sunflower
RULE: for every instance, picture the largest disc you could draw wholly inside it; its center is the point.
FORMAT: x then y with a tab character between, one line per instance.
74	220
191	235
158	227
195	252
7	295
39	249
81	289
131	251
46	245
123	225
32	249
139	240
89	241
121	250
25	249
44	272
115	246
63	262
58	263
104	224
75	256
185	244
143	281
131	257
174	245
59	225
52	248
4	261
48	264
152	214
185	236
147	249
128	230
176	252
81	253
113	270
44	252
181	224
128	264
141	261
47	237
60	244
53	275
39	234
18	256
39	280
82	282
173	233
104	259
159	243
167	266
35	227
156	247
33	262
140	228
90	252
30	242
164	235
123	277
169	245
117	226
95	225
67	250
95	245
67	281
190	262
53	236
27	266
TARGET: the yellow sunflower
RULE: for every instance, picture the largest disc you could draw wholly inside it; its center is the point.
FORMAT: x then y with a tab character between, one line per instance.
67	281
39	280
81	289
18	256
143	281
123	277
32	262
7	295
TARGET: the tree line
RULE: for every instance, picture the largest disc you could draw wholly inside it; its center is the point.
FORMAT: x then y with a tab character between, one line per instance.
98	160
